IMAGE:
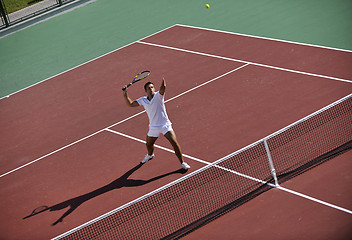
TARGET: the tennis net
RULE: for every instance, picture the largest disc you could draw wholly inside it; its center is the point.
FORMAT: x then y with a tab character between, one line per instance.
197	198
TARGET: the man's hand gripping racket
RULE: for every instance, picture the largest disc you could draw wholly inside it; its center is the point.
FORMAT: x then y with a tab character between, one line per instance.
137	78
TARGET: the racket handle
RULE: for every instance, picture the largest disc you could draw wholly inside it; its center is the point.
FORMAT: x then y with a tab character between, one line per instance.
125	87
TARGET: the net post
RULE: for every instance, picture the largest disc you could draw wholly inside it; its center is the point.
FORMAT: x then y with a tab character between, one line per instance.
272	169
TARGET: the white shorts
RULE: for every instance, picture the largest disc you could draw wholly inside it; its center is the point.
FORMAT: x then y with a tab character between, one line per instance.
156	131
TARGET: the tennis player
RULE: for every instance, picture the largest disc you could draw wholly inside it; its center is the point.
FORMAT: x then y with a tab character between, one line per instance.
159	122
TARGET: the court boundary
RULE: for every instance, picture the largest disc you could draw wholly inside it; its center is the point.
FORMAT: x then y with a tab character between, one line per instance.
246	63
181	94
183	25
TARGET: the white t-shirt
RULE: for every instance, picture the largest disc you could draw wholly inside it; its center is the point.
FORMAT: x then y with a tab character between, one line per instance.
156	110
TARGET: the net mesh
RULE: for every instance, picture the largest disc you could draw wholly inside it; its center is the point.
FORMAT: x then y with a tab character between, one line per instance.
174	208
215	189
307	141
252	162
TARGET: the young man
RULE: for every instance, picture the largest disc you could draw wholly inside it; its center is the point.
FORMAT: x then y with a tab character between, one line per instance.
159	122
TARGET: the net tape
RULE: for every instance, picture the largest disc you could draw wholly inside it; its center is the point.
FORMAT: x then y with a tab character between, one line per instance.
193	200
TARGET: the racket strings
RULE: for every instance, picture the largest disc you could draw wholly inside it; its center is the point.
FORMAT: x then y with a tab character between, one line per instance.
142	75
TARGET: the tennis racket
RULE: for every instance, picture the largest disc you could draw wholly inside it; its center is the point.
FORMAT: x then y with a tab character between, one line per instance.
37	211
137	78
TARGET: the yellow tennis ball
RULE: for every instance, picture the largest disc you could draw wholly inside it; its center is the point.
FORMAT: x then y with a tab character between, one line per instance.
207	5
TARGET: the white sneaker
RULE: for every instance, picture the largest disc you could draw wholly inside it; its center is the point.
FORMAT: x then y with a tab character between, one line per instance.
147	158
185	166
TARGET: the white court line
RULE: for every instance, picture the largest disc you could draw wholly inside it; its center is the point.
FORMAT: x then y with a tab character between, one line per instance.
193	158
214	164
69	145
51	153
243	61
155	145
314	199
124	120
205	83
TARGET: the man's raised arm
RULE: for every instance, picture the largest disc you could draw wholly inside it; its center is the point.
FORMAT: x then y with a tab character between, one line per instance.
128	100
162	87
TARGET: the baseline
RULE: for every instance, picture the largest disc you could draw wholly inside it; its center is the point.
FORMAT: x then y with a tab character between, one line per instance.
269	52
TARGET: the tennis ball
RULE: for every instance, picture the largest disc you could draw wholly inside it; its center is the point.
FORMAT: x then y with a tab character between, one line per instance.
207	5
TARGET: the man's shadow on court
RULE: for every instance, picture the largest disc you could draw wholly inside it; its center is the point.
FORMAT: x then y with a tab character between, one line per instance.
120	182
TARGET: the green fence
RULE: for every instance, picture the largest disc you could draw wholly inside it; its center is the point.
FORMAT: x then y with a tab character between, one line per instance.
33	9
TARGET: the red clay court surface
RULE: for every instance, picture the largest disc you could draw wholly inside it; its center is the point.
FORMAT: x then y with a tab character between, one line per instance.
64	141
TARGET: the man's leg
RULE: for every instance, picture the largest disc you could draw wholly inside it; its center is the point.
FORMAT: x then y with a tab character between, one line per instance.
150	144
171	136
150	147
